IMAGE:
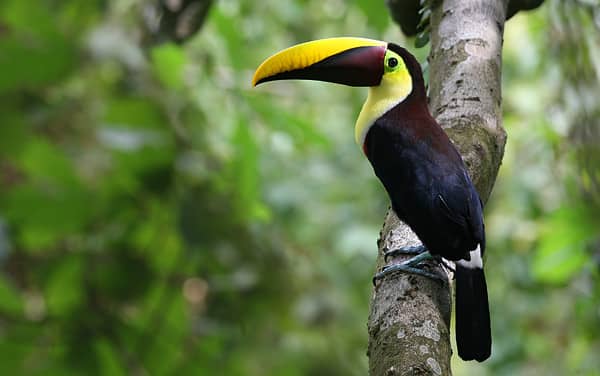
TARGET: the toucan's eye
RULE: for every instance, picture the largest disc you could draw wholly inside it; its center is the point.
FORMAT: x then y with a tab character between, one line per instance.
392	62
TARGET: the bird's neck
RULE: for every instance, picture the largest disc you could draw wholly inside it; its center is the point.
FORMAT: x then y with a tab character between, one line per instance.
380	100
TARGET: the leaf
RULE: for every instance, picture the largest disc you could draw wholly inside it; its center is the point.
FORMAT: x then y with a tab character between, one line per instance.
425	18
43	216
141	147
168	61
301	129
557	265
422	38
13	354
108	358
133	112
10	299
45	162
32	38
229	30
562	250
13	133
376	13
245	174
64	288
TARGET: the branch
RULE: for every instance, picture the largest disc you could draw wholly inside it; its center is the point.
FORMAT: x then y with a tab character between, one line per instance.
466	65
409	322
410	316
175	21
406	12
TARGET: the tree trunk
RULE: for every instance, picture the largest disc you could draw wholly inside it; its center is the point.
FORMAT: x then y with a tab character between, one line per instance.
409	322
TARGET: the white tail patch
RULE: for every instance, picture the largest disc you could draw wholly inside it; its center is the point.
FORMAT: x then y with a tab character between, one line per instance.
476	260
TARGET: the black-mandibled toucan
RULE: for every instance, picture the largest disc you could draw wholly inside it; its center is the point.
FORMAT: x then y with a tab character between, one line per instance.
421	170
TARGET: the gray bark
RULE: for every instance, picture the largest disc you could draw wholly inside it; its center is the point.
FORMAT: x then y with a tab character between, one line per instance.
410	316
409	322
465	82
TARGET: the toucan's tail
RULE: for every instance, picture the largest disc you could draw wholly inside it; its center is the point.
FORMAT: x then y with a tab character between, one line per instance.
473	332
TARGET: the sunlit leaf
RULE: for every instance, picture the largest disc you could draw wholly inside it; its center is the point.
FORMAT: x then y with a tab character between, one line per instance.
562	250
245	174
32	39
64	288
13	134
168	61
230	31
296	125
133	112
44	216
376	12
46	162
10	298
108	358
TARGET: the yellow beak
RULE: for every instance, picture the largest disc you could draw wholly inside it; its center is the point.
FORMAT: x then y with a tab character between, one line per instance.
346	60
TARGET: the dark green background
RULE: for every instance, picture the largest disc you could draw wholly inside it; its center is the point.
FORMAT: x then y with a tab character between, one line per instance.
159	216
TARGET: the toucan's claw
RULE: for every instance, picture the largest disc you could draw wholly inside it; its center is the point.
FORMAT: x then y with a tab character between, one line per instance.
446	265
413	266
412	250
408	269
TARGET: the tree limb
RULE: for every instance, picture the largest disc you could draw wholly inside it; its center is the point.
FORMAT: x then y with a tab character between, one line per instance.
406	12
410	316
174	20
409	322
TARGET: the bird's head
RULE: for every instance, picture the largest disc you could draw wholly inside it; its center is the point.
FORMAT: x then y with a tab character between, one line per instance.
390	71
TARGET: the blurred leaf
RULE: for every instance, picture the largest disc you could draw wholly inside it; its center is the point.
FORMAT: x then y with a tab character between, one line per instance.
43	161
13	355
377	14
64	287
32	38
45	215
116	269
56	53
168	61
160	355
133	112
229	29
245	175
141	147
562	250
10	300
422	38
13	133
108	358
294	124
157	232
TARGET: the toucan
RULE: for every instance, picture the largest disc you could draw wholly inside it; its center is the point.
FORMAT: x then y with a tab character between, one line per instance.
421	170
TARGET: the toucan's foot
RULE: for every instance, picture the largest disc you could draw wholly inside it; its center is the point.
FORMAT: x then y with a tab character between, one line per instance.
413	250
412	266
446	265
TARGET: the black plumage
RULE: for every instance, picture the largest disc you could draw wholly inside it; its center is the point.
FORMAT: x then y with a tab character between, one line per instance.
430	190
421	170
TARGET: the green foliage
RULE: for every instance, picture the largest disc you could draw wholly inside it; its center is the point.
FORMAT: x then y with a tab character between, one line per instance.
559	258
31	37
160	216
168	62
